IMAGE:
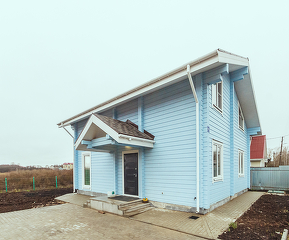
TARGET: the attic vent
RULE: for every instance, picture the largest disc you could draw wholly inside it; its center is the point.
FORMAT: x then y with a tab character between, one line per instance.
193	217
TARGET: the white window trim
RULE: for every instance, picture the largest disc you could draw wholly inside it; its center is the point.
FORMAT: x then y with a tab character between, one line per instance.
221	176
138	167
83	180
239	108
239	168
213	105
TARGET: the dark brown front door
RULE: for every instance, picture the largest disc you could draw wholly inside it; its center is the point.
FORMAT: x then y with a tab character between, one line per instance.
131	173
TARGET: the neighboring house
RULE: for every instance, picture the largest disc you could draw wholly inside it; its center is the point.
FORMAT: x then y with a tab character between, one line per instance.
67	166
182	140
258	151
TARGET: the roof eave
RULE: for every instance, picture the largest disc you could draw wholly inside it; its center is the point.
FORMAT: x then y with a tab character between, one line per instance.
217	56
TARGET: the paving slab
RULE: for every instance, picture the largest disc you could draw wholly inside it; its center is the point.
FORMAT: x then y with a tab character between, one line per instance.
74	198
71	221
207	226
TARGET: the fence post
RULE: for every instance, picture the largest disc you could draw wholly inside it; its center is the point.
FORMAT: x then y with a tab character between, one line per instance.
33	184
56	181
6	184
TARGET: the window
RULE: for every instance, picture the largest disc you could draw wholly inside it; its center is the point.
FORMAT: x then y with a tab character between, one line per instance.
241	163
241	118
86	169
217	95
217	161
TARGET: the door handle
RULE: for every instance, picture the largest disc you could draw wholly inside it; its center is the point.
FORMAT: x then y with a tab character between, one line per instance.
135	175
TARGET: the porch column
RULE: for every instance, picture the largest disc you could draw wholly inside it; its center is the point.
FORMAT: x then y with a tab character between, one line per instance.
141	151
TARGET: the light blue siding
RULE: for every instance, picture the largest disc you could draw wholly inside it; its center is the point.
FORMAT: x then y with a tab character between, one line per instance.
170	167
219	124
102	167
78	127
240	143
167	173
102	171
107	113
129	111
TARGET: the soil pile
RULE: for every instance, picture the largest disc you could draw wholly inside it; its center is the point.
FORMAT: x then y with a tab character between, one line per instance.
266	219
14	201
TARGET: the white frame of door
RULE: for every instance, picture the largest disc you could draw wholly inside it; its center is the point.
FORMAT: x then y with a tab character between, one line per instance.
138	180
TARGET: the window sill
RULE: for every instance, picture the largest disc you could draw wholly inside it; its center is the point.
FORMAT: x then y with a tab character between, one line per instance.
241	175
217	109
219	179
241	128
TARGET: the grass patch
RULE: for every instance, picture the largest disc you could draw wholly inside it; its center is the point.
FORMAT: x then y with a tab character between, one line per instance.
44	179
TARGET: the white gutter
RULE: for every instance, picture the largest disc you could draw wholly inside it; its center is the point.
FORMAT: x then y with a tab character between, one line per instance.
72	155
135	138
197	135
140	90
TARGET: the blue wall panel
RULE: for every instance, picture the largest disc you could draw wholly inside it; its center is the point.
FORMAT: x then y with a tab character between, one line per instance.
102	169
170	167
129	111
240	143
219	124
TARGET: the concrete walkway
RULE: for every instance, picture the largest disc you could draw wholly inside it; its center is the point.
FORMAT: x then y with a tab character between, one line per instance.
74	198
210	225
206	226
70	221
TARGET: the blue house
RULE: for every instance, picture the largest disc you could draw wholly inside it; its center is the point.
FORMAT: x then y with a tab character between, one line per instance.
182	139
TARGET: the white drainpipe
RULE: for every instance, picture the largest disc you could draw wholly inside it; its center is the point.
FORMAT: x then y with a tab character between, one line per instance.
72	155
197	135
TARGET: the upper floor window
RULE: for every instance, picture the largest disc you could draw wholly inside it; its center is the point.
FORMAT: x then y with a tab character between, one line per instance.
241	163
217	161
217	95
241	118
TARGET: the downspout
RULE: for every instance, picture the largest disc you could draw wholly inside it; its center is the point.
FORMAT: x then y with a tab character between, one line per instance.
73	156
197	135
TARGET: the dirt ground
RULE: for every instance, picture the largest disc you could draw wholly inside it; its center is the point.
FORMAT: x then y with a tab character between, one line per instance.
266	219
15	201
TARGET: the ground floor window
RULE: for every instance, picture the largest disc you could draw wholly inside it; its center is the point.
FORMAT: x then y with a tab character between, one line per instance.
86	158
241	163
217	153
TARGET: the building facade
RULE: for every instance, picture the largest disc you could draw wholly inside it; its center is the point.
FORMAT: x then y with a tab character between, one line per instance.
182	140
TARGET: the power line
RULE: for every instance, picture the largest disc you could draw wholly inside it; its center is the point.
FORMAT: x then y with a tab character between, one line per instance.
277	137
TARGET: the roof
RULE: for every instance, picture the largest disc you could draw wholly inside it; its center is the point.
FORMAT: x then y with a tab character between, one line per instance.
219	57
101	133
258	145
126	128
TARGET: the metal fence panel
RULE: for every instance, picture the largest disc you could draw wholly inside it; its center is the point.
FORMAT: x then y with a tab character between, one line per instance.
270	178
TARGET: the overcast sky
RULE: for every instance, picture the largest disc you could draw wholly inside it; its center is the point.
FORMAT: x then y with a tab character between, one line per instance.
58	58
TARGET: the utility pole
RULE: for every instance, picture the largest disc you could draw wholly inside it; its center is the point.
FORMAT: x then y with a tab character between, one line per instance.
281	151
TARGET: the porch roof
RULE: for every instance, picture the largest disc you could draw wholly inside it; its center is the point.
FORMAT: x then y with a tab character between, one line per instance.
101	133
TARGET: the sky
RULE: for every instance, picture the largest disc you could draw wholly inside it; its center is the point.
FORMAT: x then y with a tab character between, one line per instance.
59	58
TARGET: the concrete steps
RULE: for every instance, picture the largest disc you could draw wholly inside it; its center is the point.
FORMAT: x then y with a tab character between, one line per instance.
133	208
115	206
87	204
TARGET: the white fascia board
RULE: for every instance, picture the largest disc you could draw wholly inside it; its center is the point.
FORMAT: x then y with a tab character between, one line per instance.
253	90
145	90
256	159
82	134
167	80
120	138
232	59
95	120
135	142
